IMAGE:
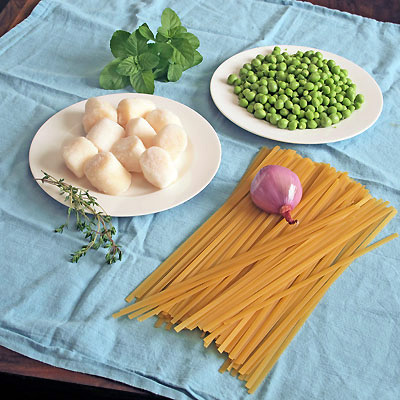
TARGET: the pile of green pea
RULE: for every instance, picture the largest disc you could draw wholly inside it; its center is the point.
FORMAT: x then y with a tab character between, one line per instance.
299	91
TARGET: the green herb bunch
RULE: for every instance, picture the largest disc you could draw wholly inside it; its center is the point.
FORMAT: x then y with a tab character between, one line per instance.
141	58
96	228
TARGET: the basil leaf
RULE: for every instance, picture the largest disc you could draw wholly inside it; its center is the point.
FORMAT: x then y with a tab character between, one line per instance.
109	77
136	44
197	59
165	50
192	39
118	43
146	32
143	82
162	34
128	66
174	72
169	19
183	51
161	73
178	30
148	61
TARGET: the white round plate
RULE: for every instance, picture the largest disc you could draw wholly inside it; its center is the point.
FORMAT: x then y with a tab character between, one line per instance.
360	120
196	167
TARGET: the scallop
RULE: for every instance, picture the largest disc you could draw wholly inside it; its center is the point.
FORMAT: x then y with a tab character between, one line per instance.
173	139
128	151
158	167
160	117
76	152
107	174
105	133
133	108
95	110
142	129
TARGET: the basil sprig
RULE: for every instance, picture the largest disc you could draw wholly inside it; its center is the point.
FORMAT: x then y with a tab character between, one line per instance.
142	57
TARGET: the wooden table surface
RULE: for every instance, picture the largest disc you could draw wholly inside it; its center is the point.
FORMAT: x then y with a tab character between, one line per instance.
24	375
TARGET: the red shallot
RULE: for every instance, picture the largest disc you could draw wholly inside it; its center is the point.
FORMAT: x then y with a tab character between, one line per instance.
276	190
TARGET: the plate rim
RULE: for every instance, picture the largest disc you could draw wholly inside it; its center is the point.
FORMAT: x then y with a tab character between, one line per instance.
242	124
53	191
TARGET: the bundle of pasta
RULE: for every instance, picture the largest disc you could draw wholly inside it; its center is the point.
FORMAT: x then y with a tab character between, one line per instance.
248	279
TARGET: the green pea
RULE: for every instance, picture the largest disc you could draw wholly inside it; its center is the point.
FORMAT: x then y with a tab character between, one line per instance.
262	89
250	108
283	123
237	89
332	110
280	76
262	98
302	125
232	78
256	62
314	77
331	64
288	104
339	106
325	121
335	118
311	124
332	101
357	105
260	57
254	86
272	86
309	114
276	50
282	84
279	104
346	113
250	95
260	113
289	92
350	94
292	125
340	98
315	102
296	109
291	117
283	97
252	79
247	66
309	86
303	103
310	107
294	84
284	112
243	103
359	98
258	106
275	118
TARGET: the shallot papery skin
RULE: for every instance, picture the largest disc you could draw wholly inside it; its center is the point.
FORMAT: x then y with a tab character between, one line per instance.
276	190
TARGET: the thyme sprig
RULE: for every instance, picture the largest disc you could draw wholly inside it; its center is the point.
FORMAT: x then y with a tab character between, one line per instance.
96	227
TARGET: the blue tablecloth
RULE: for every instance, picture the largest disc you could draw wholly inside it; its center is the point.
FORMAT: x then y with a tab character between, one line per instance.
60	313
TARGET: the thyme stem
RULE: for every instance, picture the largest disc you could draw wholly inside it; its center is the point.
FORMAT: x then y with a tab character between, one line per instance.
97	228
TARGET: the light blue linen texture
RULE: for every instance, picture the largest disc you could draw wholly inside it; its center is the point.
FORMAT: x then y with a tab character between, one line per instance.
60	313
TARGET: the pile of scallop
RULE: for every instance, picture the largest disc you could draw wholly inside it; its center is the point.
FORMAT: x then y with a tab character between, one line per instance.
135	137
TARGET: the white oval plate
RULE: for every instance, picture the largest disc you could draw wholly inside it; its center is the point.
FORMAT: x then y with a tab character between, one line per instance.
196	167
360	120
